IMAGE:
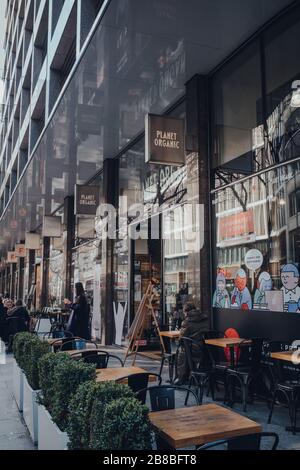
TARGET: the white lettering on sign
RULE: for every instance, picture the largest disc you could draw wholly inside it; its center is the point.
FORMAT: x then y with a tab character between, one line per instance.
87	200
166	140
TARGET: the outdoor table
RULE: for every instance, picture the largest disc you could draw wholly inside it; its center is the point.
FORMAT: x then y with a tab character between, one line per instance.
199	425
113	374
57	341
227	343
287	356
75	352
170	334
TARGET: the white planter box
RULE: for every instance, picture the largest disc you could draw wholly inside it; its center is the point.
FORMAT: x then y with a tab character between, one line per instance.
30	411
18	385
50	437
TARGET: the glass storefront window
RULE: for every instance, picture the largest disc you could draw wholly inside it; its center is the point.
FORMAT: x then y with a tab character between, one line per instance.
237	111
258	243
282	89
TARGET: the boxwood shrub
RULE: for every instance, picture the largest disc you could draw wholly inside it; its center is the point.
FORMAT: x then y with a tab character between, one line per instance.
68	375
20	340
125	426
86	411
46	367
28	350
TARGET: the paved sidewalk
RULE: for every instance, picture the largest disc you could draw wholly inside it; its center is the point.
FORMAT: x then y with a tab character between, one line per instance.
13	432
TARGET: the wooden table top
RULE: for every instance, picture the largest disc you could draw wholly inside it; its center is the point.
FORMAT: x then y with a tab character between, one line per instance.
117	373
224	342
199	425
57	341
170	334
287	356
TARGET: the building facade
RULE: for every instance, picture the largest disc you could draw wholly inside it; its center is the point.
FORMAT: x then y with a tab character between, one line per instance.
81	76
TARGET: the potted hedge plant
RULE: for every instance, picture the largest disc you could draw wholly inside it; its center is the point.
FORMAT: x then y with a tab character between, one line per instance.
34	349
91	399
125	425
60	377
18	375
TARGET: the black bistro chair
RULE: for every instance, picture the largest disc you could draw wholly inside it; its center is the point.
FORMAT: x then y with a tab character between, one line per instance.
76	344
99	358
218	363
247	369
166	397
286	379
138	382
250	442
200	368
168	355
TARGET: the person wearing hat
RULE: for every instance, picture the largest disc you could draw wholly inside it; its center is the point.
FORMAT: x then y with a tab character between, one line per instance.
241	297
291	289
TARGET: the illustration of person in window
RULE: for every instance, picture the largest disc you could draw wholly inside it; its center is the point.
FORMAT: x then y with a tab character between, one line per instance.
291	289
221	297
264	284
241	297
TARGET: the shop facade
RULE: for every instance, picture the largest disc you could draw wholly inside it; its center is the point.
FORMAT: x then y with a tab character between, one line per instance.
221	230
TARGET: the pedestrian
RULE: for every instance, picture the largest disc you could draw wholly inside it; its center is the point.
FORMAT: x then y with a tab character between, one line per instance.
79	321
3	332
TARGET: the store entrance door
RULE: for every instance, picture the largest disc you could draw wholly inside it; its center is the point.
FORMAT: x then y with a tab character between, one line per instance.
146	266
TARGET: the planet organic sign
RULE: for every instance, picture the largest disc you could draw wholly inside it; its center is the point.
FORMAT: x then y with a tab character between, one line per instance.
87	199
254	260
164	140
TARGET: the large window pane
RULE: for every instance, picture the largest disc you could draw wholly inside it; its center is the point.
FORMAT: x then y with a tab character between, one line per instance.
237	110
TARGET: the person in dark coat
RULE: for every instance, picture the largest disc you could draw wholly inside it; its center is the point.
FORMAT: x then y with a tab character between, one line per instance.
3	330
19	312
193	326
79	321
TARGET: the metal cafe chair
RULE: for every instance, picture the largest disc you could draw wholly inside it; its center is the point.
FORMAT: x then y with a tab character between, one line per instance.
138	382
99	358
200	370
219	367
76	343
250	442
247	370
167	355
286	386
165	397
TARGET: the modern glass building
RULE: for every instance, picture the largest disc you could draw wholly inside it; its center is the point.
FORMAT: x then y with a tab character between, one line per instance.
77	94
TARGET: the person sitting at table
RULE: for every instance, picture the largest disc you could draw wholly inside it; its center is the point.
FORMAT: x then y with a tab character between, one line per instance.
7	302
19	312
193	327
17	321
79	320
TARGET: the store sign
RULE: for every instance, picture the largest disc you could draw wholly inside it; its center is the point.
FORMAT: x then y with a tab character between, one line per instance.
164	140
87	199
85	228
20	251
235	226
254	260
32	241
11	257
52	227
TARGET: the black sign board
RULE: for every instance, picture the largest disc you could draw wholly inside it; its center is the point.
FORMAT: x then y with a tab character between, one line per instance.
87	199
164	140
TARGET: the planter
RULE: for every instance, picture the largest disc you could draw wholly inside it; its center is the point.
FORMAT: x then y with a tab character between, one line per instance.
18	385
50	437
30	410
